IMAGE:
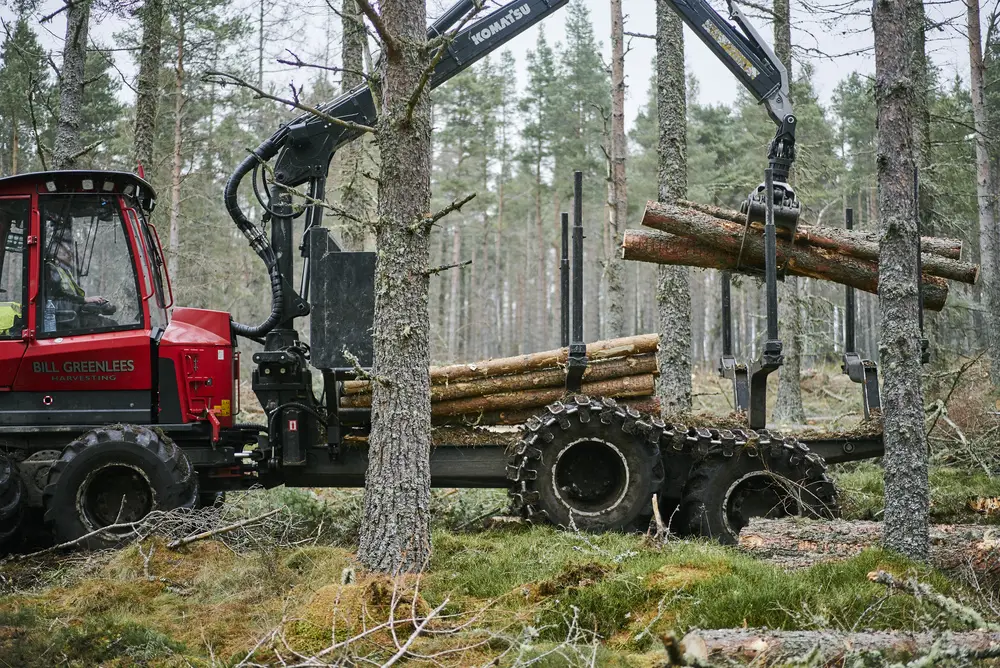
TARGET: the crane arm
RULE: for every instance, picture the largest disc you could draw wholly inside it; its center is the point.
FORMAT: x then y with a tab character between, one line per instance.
741	49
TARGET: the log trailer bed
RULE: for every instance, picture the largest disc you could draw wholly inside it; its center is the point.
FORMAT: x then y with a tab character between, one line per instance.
112	405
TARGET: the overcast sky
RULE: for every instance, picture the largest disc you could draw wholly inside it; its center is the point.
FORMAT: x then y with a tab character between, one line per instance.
307	28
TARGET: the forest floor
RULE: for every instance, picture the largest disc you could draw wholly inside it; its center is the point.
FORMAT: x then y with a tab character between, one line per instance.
289	593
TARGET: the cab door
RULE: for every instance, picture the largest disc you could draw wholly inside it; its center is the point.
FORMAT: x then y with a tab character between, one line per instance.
15	217
90	360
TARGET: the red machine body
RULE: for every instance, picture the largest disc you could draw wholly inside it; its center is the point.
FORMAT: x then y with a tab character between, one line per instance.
70	357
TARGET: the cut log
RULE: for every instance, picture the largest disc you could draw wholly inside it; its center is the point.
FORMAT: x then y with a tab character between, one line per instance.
795	543
812	259
627	386
765	647
662	248
648	405
860	240
598	350
600	370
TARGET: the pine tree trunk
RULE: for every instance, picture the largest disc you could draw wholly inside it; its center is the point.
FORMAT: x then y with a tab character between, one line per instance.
617	187
905	461
395	533
353	196
788	405
454	296
989	238
68	144
148	88
175	173
673	290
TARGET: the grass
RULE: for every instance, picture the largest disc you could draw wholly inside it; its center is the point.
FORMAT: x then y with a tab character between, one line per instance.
207	602
863	492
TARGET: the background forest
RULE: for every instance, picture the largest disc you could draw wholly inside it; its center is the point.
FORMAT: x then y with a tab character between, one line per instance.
516	147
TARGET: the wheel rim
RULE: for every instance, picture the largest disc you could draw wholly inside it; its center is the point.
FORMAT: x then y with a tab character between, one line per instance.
759	494
590	476
115	493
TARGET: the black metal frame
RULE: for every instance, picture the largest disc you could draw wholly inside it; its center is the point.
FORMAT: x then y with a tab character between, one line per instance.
860	370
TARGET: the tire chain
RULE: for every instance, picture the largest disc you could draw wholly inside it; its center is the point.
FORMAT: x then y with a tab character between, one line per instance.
669	438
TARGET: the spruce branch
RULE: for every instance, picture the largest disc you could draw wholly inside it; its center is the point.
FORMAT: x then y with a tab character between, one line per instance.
224	79
427	222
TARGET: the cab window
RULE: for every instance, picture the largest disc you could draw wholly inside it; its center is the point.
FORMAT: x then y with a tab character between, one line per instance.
88	275
13	286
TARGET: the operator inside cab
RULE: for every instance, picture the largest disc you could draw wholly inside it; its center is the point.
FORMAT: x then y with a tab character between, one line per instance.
66	305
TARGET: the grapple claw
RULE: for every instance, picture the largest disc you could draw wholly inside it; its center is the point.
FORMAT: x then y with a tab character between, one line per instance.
786	207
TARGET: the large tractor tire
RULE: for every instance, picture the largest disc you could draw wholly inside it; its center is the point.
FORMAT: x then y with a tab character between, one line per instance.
586	463
12	502
757	474
115	476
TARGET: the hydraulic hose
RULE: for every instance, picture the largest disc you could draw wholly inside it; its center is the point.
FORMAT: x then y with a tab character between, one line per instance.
258	241
250	426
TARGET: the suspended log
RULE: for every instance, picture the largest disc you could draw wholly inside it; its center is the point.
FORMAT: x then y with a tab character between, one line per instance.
627	386
662	248
793	543
765	647
812	257
648	405
600	370
598	350
863	241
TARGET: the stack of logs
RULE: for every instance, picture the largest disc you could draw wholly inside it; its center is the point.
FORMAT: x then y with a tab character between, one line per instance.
511	389
700	235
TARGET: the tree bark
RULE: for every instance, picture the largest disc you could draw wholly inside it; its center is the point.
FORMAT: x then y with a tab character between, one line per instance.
797	260
395	532
598	350
148	84
853	244
617	186
68	143
765	647
629	366
905	460
626	386
858	243
353	194
792	543
174	244
989	238
788	404
673	289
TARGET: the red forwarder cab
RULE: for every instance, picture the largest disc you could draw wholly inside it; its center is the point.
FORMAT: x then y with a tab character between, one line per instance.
85	334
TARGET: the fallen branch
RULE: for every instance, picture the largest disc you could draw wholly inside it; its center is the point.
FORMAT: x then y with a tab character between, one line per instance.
955	610
181	542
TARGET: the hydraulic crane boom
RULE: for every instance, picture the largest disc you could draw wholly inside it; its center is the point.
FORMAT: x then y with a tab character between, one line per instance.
754	63
303	148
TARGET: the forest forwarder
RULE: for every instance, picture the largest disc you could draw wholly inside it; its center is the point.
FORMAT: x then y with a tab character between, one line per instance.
111	408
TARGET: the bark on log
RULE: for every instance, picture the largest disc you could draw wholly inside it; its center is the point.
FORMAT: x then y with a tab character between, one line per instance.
598	350
766	647
664	248
601	370
649	405
627	386
794	543
863	241
813	259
